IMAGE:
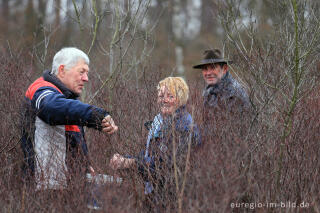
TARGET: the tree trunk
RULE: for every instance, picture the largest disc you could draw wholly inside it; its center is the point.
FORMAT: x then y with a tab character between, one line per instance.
5	16
57	13
30	22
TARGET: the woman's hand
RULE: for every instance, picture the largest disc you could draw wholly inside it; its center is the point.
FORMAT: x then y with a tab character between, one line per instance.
92	171
116	161
120	162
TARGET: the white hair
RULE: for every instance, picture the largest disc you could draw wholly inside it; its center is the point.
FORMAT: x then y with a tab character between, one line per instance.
69	57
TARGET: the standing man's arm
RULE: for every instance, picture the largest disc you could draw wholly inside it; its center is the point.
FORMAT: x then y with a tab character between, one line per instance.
53	108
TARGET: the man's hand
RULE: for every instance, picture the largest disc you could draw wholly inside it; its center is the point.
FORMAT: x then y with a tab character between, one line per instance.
108	125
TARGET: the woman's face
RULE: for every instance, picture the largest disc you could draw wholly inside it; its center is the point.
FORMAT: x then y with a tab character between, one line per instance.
167	101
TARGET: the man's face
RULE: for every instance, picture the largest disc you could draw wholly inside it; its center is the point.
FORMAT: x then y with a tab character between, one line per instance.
167	101
75	77
213	73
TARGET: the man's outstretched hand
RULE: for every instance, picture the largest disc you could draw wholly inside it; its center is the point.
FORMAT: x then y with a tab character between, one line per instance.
108	125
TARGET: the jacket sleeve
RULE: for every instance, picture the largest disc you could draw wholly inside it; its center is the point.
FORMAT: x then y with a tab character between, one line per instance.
55	109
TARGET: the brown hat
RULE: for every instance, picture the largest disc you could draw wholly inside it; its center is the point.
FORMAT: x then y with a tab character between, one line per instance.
211	57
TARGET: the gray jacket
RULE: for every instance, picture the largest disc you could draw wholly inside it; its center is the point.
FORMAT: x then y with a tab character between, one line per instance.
228	93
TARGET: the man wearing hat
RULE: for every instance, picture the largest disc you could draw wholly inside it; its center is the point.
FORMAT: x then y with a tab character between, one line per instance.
222	90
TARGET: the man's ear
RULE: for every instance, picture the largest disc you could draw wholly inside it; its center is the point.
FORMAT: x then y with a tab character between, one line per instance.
61	71
225	68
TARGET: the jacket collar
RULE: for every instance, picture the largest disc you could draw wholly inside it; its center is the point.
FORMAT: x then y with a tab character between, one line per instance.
177	114
47	76
223	84
180	119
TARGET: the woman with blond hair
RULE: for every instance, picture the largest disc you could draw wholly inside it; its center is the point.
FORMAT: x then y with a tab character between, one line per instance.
170	134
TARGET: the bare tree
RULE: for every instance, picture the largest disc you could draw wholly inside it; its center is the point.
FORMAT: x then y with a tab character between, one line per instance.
186	25
278	67
5	15
57	12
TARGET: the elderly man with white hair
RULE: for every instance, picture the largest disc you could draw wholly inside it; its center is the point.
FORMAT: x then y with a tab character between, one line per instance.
53	139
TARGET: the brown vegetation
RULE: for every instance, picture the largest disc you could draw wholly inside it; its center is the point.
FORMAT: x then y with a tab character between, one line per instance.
269	158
